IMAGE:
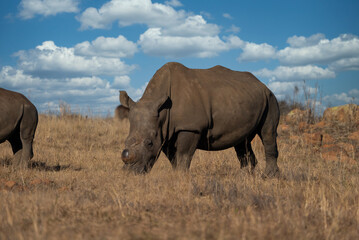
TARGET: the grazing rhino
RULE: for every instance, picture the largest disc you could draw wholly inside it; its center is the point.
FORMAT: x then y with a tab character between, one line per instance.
18	122
212	109
121	112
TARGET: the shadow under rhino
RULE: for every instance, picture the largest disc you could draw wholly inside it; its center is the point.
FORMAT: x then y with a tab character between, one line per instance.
40	166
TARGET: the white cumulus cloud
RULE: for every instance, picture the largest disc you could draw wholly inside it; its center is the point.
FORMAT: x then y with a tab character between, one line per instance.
343	98
346	64
81	93
153	42
318	50
174	3
49	60
255	52
154	15
282	88
170	33
107	47
12	77
193	26
128	12
306	58
121	81
86	82
300	41
313	57
50	74
285	73
30	8
234	42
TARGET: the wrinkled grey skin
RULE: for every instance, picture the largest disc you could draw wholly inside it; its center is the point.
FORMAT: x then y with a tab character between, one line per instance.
212	109
18	122
121	112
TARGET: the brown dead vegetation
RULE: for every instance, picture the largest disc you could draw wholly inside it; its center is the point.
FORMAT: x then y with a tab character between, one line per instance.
75	188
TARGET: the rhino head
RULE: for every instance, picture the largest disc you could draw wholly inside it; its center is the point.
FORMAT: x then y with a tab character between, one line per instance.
145	138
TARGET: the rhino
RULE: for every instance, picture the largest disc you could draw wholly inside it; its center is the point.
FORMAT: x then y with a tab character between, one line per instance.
213	109
18	122
121	112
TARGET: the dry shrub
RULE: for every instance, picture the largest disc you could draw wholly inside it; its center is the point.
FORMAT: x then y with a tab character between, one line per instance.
75	188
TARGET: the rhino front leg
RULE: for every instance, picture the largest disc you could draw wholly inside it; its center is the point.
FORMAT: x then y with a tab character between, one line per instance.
27	154
185	147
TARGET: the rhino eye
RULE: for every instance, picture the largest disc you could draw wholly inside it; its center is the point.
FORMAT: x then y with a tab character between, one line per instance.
148	143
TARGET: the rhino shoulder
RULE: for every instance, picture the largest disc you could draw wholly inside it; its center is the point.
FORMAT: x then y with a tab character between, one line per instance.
219	68
174	65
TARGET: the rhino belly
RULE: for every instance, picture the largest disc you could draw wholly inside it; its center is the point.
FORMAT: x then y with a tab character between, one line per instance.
229	132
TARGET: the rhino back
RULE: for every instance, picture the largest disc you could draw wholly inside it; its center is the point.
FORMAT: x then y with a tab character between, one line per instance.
228	104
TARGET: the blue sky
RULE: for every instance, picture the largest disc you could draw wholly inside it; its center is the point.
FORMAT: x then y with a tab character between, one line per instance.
83	51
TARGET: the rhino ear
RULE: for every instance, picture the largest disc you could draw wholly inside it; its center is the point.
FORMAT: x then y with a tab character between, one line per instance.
164	103
125	100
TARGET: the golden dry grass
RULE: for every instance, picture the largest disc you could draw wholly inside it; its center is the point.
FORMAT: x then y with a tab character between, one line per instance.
76	189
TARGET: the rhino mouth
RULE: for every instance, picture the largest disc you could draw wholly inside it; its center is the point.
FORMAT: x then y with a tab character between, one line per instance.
139	167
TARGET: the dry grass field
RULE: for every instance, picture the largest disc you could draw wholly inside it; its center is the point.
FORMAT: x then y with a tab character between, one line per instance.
75	188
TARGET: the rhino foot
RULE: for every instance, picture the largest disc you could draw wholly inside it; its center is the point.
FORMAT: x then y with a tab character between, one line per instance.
18	162
20	165
271	173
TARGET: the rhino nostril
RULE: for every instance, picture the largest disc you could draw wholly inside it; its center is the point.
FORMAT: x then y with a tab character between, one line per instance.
125	154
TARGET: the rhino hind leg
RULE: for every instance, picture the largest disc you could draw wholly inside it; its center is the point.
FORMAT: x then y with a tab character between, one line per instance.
185	146
24	140
246	155
268	135
269	140
26	155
